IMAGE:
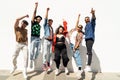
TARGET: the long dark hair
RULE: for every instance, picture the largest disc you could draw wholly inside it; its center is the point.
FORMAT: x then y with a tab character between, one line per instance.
57	30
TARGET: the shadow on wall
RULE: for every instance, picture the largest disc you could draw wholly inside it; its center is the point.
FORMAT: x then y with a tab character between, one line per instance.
71	64
95	65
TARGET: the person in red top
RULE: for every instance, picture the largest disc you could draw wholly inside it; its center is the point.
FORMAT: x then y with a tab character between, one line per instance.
65	27
65	33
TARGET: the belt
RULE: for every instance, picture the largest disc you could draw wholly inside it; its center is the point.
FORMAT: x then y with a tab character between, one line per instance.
48	39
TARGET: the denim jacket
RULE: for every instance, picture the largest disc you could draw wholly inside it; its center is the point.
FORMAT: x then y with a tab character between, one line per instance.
46	28
90	29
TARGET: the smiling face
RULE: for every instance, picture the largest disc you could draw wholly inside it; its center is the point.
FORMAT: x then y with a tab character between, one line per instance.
79	28
50	21
87	19
61	30
38	19
24	24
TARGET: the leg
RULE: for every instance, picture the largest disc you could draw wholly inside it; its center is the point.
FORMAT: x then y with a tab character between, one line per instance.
78	61
89	44
65	59
25	54
38	45
49	53
45	51
77	58
14	57
32	48
57	57
32	52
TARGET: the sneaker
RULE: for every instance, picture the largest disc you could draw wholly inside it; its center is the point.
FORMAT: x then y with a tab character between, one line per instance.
25	75
31	64
66	71
44	67
13	70
88	69
56	72
49	69
79	74
48	64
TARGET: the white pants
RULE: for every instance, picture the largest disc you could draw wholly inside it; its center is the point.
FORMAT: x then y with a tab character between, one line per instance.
24	48
47	51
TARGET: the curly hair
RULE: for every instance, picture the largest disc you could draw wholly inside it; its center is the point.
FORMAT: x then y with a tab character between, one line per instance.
57	30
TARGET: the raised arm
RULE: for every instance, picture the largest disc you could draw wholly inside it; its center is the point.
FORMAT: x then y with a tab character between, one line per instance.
77	21
93	14
18	19
35	10
46	15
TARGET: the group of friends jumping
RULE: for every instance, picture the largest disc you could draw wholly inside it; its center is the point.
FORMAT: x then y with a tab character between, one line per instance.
53	42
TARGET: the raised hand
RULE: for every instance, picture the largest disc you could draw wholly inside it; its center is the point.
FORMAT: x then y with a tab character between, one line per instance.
78	15
48	9
27	16
92	11
36	4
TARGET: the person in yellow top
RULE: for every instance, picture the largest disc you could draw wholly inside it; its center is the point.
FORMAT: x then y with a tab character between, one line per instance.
21	44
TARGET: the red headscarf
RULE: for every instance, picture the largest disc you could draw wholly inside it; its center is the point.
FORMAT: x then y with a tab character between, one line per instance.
65	27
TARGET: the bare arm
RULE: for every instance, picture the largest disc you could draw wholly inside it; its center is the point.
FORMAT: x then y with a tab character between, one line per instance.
79	38
46	15
34	13
77	21
18	19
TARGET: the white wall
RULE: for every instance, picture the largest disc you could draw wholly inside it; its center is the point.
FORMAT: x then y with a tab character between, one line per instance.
107	27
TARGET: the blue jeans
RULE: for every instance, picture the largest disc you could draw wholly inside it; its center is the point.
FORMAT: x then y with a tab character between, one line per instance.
35	47
76	56
47	51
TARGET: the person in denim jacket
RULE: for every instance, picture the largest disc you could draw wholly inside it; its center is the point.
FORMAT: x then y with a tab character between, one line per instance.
48	39
90	37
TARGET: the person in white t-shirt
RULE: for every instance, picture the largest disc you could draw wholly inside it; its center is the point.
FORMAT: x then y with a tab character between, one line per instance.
76	36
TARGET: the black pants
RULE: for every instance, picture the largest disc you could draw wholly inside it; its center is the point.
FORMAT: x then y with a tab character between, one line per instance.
61	51
89	45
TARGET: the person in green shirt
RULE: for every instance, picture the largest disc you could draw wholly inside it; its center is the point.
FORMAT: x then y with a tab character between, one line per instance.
35	36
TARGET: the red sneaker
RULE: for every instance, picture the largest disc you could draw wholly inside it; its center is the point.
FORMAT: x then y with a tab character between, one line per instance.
44	67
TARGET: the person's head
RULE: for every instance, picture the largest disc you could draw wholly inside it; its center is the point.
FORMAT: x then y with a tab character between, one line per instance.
24	23
60	30
79	28
87	19
50	21
38	19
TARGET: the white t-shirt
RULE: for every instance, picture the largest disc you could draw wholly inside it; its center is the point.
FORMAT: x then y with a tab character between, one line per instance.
73	37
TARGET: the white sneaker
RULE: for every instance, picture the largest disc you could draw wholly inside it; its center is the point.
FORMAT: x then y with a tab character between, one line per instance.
56	72
49	69
79	74
66	71
88	69
25	75
13	70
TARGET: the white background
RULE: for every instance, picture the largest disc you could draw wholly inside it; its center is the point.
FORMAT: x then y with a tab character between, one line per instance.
107	32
